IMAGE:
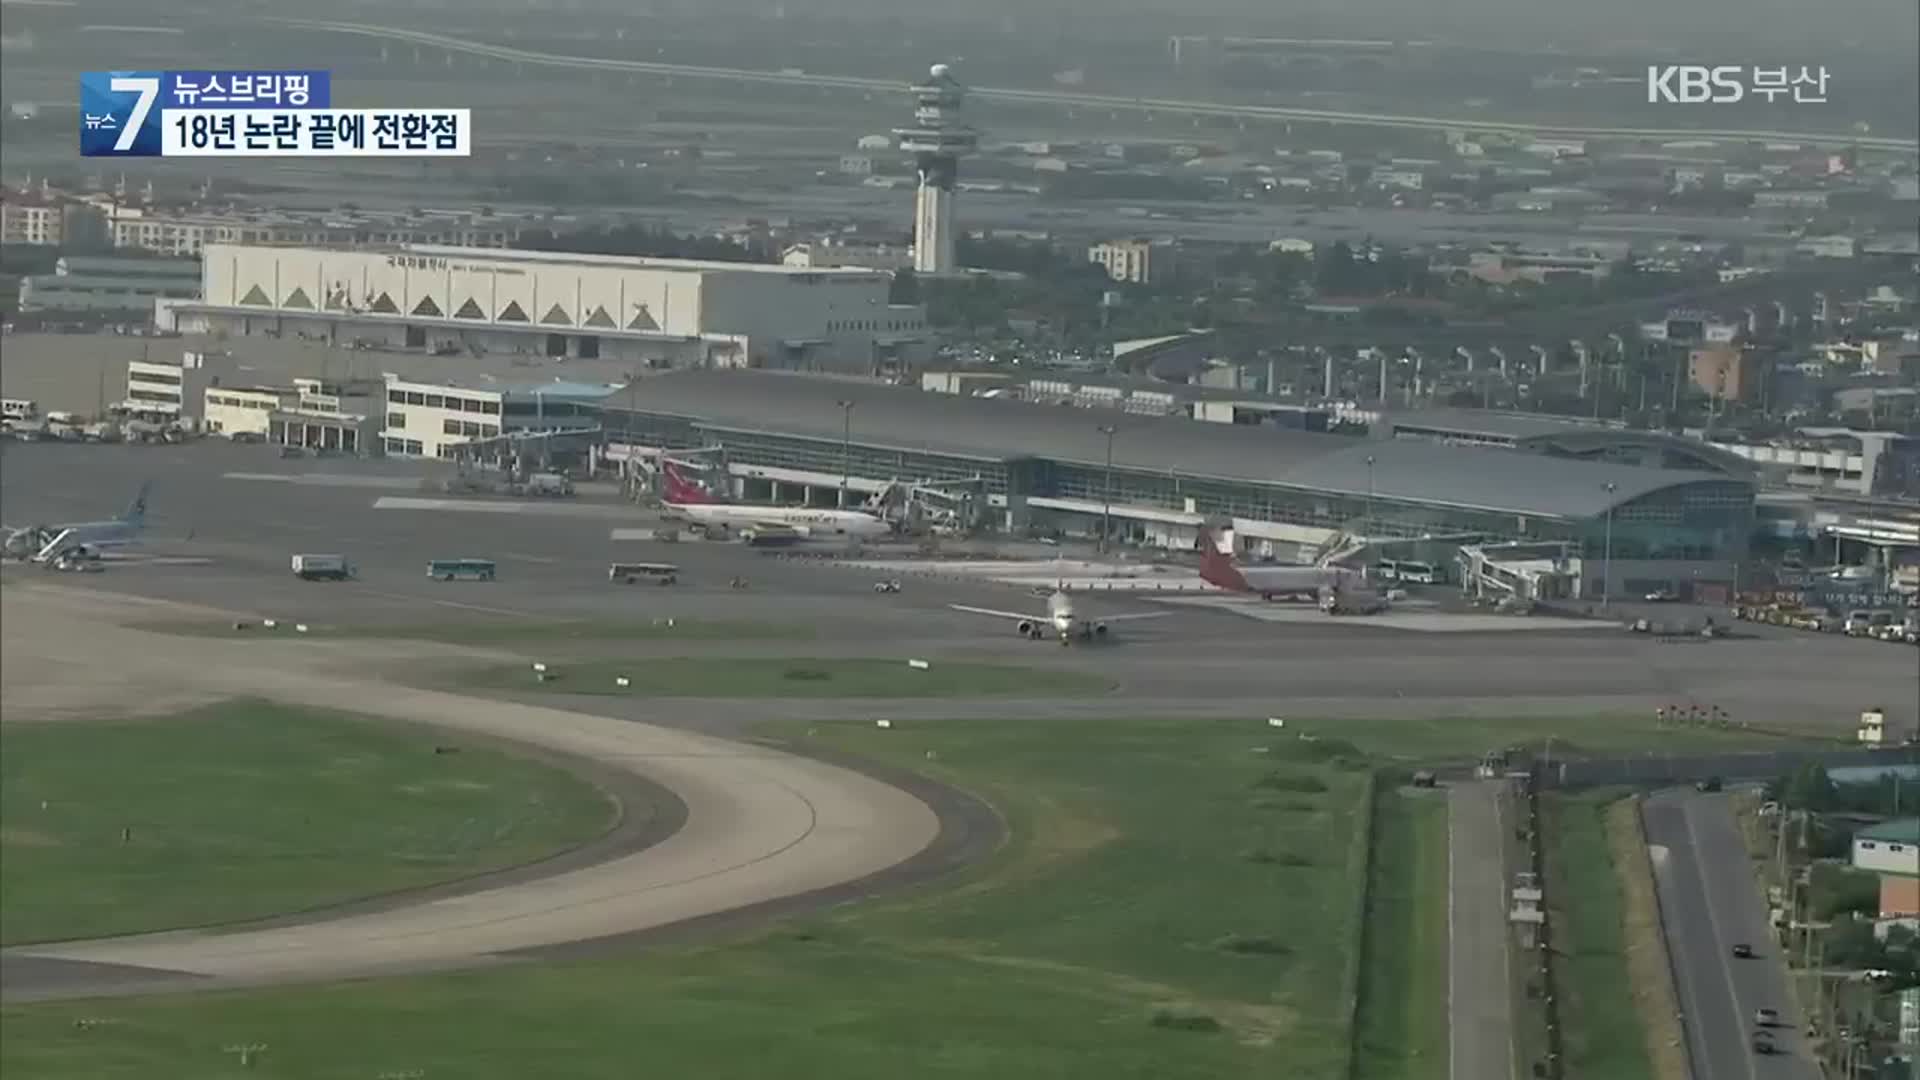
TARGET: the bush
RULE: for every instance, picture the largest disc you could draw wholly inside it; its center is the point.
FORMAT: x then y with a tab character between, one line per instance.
1274	802
1180	1019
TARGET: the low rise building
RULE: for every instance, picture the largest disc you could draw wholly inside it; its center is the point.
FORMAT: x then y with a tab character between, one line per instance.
1892	851
93	285
173	390
443	420
241	410
1724	372
1130	261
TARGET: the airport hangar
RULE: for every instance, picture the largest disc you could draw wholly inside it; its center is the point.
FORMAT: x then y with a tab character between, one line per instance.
1290	495
647	313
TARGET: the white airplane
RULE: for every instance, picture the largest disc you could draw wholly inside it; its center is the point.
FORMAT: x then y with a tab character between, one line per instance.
688	500
48	544
1062	617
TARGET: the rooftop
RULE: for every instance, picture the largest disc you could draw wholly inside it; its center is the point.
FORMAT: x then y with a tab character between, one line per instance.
1897	831
553	388
996	429
1488	423
637	262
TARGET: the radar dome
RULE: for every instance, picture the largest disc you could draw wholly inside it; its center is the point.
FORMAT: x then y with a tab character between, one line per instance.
940	71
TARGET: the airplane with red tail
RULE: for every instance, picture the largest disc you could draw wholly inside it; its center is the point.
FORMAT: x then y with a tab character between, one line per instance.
685	499
1338	590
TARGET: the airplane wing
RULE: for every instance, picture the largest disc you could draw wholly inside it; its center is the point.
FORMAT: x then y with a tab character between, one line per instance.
1024	616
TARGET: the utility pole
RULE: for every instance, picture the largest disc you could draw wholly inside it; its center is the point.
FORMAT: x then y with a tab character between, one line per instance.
1606	579
1106	498
1366	523
846	448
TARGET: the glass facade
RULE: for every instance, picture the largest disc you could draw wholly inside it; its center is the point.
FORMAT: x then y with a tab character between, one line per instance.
1700	521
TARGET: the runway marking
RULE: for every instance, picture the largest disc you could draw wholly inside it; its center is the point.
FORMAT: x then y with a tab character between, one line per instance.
400	502
630	534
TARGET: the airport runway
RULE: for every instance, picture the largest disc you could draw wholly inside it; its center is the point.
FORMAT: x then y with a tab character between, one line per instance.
1196	660
222	541
1710	901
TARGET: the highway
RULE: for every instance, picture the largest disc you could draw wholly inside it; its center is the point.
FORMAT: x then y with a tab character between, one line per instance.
1710	901
1092	101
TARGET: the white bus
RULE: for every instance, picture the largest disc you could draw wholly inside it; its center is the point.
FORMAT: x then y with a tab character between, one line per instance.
656	573
19	409
1409	571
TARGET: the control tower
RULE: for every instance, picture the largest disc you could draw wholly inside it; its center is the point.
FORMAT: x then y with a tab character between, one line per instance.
936	140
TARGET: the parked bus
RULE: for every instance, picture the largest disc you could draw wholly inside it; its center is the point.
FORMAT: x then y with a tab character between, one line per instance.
449	569
656	573
18	409
1409	571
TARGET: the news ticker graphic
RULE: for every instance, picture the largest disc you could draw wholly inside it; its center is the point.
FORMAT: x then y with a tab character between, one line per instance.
317	133
252	114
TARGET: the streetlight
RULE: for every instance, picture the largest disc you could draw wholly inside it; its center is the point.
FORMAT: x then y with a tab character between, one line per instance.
1366	523
1606	559
1106	498
846	448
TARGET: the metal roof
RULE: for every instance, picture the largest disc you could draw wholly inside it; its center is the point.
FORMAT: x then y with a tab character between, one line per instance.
997	429
1487	478
1487	423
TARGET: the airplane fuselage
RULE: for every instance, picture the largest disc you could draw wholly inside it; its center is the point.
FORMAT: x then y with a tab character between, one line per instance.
804	520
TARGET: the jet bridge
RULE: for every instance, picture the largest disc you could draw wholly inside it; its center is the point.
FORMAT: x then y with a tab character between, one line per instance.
1527	572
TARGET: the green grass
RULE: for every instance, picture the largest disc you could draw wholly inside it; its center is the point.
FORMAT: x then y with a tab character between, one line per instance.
1178	900
500	630
1403	989
784	678
1603	1036
245	810
1126	932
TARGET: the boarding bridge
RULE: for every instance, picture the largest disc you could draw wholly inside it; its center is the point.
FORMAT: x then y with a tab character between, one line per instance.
1528	572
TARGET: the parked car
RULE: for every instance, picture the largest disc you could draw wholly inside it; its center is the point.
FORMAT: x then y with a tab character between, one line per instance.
1662	596
1766	1018
1763	1043
1710	784
1743	951
886	586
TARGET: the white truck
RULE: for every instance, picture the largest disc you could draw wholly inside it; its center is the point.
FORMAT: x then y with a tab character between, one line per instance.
549	484
322	567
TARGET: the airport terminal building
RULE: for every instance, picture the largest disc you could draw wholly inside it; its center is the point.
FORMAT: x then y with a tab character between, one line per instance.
647	313
1288	494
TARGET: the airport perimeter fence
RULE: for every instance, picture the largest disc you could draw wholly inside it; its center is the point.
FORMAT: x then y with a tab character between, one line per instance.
1734	765
1357	957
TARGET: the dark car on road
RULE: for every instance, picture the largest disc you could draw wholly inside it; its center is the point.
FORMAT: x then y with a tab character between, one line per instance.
1711	783
1743	951
1763	1043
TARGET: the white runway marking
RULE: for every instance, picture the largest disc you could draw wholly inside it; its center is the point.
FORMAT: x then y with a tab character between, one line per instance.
399	502
391	483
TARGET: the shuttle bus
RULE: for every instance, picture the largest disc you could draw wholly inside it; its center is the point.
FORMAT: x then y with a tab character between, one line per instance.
19	409
654	573
1409	571
449	569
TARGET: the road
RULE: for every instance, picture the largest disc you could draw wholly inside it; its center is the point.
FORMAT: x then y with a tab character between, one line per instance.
1479	992
1094	101
1709	901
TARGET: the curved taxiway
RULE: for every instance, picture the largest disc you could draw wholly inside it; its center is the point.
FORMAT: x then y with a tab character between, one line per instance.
760	825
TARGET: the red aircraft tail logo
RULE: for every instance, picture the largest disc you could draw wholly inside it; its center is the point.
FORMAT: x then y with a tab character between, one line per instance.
677	489
1217	568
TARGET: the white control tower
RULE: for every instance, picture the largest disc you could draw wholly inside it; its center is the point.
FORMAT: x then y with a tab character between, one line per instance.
936	140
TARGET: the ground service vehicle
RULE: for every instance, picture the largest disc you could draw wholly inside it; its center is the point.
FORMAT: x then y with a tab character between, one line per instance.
657	573
549	484
449	569
322	567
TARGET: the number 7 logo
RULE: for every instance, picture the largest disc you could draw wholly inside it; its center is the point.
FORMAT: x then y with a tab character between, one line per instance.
148	89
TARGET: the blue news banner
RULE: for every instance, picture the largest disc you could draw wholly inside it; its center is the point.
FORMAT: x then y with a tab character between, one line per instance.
252	114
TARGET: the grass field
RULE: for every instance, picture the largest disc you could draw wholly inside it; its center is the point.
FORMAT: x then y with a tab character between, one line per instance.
1603	1036
1403	1002
1172	905
1178	900
785	678
245	810
501	631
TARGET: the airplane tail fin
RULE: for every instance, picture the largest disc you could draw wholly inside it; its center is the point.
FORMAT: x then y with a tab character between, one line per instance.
676	488
137	510
1217	567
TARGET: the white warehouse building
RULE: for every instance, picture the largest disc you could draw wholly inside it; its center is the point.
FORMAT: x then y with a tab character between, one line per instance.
651	313
441	420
